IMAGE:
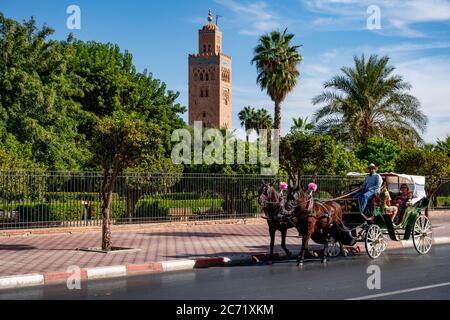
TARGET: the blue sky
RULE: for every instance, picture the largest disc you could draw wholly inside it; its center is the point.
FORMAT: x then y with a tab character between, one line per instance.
161	34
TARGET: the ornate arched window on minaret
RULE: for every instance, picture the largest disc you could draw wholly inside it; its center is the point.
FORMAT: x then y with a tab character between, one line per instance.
214	72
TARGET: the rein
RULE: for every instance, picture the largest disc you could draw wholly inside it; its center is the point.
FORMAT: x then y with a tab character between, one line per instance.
343	196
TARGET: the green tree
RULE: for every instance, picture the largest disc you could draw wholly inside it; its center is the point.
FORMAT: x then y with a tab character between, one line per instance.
347	161
110	83
13	182
37	92
301	125
276	62
263	120
369	101
431	164
120	141
443	145
382	152
317	154
153	174
247	118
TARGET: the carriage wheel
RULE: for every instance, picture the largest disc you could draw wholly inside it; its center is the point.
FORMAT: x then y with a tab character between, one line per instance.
422	235
374	242
333	248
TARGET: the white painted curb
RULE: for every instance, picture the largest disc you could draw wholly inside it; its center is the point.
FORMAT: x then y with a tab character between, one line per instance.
106	272
21	280
441	240
178	265
237	259
407	243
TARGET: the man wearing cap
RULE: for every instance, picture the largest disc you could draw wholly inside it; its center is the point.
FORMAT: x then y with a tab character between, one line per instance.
371	186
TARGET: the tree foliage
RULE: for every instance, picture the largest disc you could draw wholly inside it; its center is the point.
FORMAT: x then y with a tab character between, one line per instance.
443	145
301	125
276	62
37	95
316	154
366	101
382	152
431	164
120	141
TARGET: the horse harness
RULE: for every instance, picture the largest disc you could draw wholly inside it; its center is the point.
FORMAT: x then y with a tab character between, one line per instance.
325	214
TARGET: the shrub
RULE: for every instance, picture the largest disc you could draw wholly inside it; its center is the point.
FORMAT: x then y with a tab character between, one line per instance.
71	210
35	212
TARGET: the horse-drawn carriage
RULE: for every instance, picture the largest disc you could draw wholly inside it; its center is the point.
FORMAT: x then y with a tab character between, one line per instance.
337	222
377	225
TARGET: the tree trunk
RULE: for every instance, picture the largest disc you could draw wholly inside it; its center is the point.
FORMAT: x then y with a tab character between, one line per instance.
277	116
107	193
106	225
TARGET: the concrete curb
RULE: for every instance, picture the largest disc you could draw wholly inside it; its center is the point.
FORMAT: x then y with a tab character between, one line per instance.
26	280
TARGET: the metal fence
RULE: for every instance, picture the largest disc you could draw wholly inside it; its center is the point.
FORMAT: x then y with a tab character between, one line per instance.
441	198
70	199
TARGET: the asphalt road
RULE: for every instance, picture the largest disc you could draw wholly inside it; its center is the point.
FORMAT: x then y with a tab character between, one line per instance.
404	275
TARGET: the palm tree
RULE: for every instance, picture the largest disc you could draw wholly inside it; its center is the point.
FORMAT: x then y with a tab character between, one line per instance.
443	145
367	101
301	125
276	63
247	118
263	120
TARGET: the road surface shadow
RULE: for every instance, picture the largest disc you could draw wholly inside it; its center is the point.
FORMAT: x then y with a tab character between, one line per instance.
194	234
16	247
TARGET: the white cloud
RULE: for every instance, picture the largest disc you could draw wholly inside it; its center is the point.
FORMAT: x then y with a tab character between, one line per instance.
431	83
407	47
398	17
255	18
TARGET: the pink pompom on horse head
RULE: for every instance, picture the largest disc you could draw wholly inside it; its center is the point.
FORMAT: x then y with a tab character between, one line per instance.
312	187
283	185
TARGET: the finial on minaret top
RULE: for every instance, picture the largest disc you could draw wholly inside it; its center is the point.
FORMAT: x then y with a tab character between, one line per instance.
210	18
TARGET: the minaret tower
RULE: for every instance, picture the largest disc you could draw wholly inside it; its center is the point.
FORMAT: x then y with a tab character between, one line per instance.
210	94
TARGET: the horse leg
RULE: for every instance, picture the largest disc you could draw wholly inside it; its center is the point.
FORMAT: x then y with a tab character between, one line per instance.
283	242
325	250
272	231
342	249
311	229
301	256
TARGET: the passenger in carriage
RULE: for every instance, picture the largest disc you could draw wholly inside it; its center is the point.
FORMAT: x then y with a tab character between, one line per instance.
388	203
371	186
401	201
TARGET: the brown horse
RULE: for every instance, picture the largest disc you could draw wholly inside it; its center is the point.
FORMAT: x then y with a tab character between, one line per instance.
319	221
269	200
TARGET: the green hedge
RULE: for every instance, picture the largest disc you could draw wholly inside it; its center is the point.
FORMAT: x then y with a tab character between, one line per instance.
151	207
243	206
64	196
74	210
443	201
64	210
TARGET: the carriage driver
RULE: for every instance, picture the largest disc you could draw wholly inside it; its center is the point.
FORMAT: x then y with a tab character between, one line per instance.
371	186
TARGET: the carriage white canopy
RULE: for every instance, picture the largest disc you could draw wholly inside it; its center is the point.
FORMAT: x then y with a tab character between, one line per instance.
416	184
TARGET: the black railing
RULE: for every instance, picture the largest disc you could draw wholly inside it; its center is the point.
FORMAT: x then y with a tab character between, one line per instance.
70	199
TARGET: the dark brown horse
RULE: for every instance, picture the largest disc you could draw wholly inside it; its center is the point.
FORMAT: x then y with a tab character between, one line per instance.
319	221
269	199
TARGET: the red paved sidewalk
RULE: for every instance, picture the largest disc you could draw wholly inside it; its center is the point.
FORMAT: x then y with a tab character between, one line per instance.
54	253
